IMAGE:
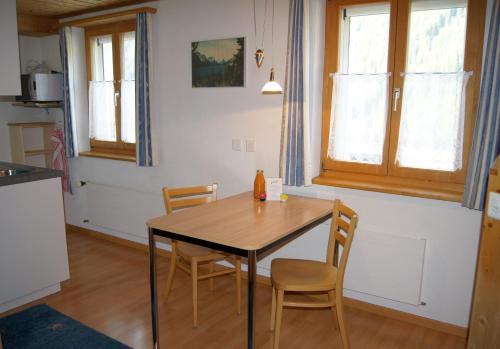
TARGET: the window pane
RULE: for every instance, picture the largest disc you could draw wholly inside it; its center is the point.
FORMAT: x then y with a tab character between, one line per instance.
359	100
358	118
102	58
433	107
432	122
128	87
128	55
102	111
436	40
365	39
128	111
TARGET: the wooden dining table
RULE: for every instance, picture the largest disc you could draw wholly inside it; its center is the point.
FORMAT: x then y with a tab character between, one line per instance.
238	225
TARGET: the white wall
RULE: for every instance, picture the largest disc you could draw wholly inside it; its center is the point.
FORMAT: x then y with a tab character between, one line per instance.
195	129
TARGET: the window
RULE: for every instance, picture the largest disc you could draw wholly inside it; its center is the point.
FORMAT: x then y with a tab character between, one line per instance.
111	76
400	88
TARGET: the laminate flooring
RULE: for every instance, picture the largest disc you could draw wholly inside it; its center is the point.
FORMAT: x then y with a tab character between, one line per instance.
109	291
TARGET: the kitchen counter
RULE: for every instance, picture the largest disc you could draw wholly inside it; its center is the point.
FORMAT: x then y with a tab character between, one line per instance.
28	174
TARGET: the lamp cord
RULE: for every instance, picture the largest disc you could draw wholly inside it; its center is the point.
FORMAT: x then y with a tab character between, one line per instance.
255	25
272	39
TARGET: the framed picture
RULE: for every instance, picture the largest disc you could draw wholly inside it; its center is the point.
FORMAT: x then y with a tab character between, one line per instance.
218	63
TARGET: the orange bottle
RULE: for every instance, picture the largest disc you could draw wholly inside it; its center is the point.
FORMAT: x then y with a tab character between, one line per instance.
259	185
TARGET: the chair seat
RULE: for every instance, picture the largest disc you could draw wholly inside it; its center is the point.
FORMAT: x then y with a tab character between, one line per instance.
188	251
302	275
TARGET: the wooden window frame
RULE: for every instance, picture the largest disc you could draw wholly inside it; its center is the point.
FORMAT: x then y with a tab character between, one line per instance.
388	177
117	150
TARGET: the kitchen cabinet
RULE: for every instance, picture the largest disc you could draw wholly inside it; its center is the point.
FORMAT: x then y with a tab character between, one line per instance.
10	72
33	250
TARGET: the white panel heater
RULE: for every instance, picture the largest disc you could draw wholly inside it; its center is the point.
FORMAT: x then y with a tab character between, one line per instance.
386	266
122	209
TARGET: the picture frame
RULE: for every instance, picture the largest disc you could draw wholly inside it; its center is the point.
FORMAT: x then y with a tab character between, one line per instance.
218	63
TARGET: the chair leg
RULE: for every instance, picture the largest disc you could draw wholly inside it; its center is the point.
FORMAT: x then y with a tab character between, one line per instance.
194	278
331	298
172	268
273	307
211	280
340	317
277	326
238	284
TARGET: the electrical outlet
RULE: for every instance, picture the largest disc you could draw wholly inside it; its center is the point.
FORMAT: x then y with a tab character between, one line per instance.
236	145
250	145
494	206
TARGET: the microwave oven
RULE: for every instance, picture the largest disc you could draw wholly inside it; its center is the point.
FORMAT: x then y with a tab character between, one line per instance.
41	87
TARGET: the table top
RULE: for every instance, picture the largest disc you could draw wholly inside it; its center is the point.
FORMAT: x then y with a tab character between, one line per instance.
242	222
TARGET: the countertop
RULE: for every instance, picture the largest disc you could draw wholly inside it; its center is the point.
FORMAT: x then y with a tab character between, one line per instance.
33	174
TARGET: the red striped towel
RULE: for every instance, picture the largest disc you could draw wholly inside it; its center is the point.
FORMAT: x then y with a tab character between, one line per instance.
59	159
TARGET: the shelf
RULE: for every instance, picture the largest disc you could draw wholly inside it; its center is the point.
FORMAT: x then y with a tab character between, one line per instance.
32	124
38	104
38	135
37	152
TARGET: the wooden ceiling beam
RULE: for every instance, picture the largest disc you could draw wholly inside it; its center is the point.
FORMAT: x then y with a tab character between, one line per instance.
102	8
107	18
32	25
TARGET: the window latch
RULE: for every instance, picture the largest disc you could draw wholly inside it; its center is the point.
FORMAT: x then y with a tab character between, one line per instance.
117	94
395	98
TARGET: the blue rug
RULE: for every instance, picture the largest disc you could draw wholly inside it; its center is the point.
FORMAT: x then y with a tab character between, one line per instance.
43	327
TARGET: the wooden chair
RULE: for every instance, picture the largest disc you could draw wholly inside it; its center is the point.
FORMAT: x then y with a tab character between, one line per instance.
295	275
188	257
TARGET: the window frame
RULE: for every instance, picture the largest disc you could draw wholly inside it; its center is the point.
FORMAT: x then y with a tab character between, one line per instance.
122	150
388	177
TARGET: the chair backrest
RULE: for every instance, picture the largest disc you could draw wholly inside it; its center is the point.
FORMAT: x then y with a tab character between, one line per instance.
178	198
341	233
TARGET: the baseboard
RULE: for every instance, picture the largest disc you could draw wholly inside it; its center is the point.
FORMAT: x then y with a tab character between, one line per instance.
114	239
350	302
407	317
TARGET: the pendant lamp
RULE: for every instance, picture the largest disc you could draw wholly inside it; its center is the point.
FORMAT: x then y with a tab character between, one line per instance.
259	52
272	87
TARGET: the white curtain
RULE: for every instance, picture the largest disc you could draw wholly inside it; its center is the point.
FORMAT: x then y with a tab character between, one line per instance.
358	117
432	121
102	110
128	110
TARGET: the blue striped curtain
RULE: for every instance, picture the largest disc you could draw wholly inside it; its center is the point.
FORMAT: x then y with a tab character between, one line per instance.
294	139
145	125
486	142
65	48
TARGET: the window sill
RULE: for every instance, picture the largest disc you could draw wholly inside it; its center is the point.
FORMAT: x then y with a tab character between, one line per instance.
110	156
392	185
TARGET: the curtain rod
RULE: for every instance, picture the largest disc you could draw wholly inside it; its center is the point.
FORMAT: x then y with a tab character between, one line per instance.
107	18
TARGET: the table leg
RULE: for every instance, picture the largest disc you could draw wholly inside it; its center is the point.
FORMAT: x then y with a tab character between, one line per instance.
152	282
252	266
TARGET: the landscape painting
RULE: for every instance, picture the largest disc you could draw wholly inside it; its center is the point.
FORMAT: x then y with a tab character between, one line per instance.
218	63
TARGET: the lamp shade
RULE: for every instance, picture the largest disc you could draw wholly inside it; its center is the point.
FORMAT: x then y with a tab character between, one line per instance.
272	87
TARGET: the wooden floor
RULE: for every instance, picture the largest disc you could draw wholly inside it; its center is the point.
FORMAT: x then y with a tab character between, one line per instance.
109	291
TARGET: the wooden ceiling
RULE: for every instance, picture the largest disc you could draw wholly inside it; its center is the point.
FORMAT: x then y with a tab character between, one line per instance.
69	8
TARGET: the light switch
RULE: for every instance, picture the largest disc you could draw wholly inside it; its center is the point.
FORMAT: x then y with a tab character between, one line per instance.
237	144
250	145
494	206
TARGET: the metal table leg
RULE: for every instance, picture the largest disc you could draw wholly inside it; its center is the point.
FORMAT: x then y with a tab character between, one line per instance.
152	282
252	266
